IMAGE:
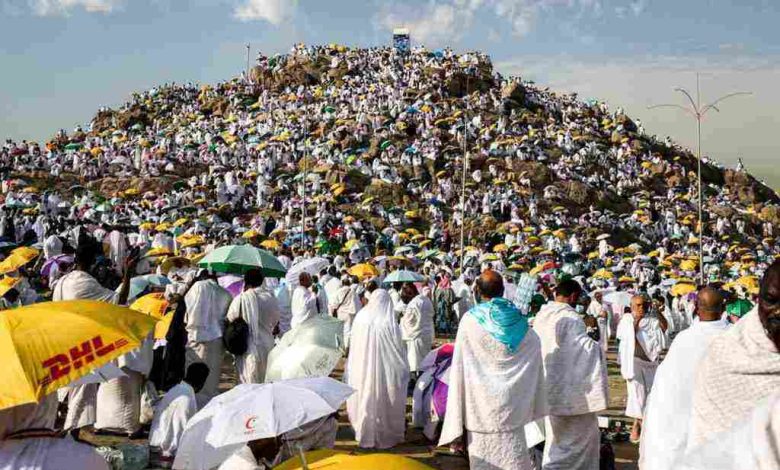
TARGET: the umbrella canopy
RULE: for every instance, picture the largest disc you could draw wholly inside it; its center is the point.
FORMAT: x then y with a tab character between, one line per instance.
231	283
151	304
18	258
312	349
313	266
682	288
327	459
139	284
197	449
238	259
739	307
271	409
48	345
618	298
402	275
363	271
59	260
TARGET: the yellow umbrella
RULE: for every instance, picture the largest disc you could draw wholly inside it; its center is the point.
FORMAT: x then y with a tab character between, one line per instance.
326	459
412	231
351	243
146	226
749	282
162	326
603	274
132	192
180	222
197	240
363	271
425	243
159	251
12	263
163	227
682	288
500	248
151	304
8	283
271	244
26	253
174	262
411	214
48	345
688	265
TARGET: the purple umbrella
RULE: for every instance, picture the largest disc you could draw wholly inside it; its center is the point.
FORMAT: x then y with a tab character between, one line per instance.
231	283
59	260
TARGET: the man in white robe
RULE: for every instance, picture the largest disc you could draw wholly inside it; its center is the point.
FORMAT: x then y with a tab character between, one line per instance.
80	285
304	301
416	326
575	373
596	310
664	436
346	306
378	371
173	411
496	382
28	441
740	368
642	338
207	304
258	307
465	295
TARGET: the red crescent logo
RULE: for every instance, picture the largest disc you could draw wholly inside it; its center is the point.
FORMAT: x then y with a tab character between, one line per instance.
250	423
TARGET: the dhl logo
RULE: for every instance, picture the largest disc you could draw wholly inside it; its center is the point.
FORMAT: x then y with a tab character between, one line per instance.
61	364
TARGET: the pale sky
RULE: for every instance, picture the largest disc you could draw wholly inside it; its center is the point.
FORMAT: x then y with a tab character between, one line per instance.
62	59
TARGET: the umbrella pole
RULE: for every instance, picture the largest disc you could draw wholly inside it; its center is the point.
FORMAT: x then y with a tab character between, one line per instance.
303	458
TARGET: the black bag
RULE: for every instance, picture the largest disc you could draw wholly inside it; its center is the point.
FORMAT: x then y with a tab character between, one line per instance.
236	337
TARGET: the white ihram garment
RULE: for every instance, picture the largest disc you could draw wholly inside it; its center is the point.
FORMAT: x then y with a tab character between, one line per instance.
576	378
378	371
170	418
669	404
82	399
49	453
207	304
739	369
417	330
303	306
639	373
493	393
260	310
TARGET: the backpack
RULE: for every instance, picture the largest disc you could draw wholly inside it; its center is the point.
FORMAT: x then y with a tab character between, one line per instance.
236	337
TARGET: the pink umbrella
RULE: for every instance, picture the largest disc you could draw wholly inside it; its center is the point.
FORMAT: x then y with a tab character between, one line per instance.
231	283
59	260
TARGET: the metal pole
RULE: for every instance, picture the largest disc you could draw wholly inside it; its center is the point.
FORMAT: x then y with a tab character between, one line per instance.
701	207
303	198
248	66
463	184
698	112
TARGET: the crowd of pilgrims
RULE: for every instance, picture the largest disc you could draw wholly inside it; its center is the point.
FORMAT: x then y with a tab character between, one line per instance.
502	345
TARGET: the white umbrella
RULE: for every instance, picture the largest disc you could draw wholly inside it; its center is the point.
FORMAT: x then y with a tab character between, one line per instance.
194	453
254	411
618	298
312	349
269	410
603	236
312	266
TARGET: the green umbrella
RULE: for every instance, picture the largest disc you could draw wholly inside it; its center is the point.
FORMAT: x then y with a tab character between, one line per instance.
739	307
238	259
73	146
403	275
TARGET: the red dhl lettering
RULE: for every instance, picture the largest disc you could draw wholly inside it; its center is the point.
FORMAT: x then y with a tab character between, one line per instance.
78	356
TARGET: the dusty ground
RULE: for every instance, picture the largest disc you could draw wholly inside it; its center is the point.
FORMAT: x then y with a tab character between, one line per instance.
418	447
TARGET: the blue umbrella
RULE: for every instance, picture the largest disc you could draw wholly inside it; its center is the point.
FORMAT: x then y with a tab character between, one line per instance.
403	275
139	284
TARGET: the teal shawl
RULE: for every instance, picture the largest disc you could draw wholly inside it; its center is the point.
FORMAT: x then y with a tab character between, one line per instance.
502	320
